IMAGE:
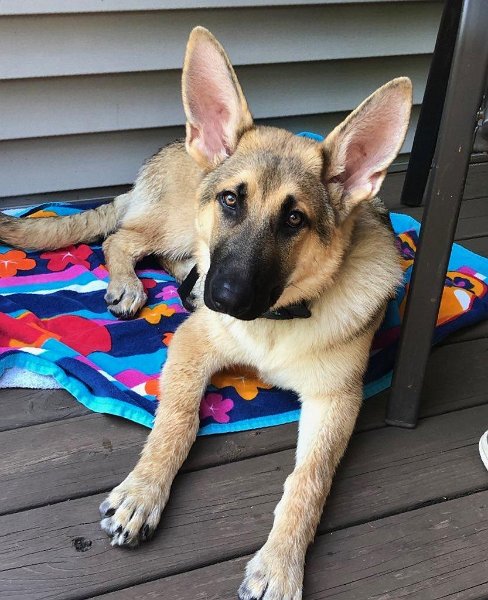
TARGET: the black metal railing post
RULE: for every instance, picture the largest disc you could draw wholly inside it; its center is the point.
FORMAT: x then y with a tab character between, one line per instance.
464	93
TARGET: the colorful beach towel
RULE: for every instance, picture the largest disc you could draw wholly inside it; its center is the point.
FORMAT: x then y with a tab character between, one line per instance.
54	322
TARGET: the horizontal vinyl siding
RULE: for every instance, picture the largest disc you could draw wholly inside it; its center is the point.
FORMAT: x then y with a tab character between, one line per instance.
59	45
39	7
85	98
99	103
97	160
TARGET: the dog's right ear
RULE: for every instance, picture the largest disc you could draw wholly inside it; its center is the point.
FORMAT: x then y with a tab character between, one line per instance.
216	109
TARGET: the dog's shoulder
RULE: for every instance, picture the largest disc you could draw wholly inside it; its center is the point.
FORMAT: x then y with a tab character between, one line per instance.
379	210
373	256
367	279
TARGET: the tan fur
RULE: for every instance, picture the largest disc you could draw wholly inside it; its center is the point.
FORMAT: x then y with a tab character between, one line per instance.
209	46
346	274
57	232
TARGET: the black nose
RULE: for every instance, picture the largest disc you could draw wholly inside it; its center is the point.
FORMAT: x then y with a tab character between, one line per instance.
231	296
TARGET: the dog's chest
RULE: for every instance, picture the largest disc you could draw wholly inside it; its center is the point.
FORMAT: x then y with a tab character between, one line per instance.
285	354
269	342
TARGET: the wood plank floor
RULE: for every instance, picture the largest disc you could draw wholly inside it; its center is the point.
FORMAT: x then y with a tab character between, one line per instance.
407	516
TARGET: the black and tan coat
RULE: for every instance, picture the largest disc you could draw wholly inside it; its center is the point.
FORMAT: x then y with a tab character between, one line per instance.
271	219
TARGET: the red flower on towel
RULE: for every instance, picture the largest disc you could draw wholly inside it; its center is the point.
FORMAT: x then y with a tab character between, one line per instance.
216	406
80	334
72	255
13	261
148	283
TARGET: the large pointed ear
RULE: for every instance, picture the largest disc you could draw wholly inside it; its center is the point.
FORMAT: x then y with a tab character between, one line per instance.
359	151
216	110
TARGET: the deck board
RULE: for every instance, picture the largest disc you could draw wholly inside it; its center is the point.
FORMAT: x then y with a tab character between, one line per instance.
23	407
407	516
478	245
476	186
92	453
226	510
472	222
433	553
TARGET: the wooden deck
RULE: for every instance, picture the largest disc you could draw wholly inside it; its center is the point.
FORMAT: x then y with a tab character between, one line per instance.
407	517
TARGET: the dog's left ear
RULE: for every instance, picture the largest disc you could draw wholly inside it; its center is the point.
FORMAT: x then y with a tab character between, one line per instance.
359	150
216	109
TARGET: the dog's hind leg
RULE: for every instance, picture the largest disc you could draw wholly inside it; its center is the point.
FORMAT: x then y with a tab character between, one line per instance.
326	424
125	293
132	511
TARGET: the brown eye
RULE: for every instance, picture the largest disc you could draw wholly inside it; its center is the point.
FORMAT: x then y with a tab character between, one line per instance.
228	199
295	219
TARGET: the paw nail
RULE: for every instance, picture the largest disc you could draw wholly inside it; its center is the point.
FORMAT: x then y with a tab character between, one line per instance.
110	512
104	506
145	532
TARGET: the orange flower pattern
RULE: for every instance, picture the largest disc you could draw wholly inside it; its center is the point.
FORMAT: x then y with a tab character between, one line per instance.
154	315
244	380
42	214
152	387
13	261
167	337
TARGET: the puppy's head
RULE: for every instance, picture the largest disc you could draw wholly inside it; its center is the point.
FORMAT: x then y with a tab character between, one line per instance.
274	208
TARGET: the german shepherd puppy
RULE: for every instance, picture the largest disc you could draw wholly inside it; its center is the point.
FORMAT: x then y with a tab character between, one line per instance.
272	220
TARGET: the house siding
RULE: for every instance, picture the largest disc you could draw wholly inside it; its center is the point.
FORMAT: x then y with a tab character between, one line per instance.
85	97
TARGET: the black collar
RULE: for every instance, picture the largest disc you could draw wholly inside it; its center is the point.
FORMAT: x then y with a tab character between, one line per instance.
299	310
186	287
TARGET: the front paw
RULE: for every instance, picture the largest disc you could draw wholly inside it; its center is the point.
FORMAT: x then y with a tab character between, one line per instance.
132	511
125	297
271	575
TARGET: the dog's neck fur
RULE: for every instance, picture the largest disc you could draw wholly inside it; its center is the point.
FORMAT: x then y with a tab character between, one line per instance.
346	308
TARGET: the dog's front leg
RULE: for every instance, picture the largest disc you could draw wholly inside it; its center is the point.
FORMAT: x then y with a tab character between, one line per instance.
326	424
125	293
131	512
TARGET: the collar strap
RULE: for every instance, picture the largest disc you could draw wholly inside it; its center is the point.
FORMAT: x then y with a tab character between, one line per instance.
299	310
186	287
292	311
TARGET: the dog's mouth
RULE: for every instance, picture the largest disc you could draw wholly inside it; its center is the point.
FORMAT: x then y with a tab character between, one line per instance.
235	297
